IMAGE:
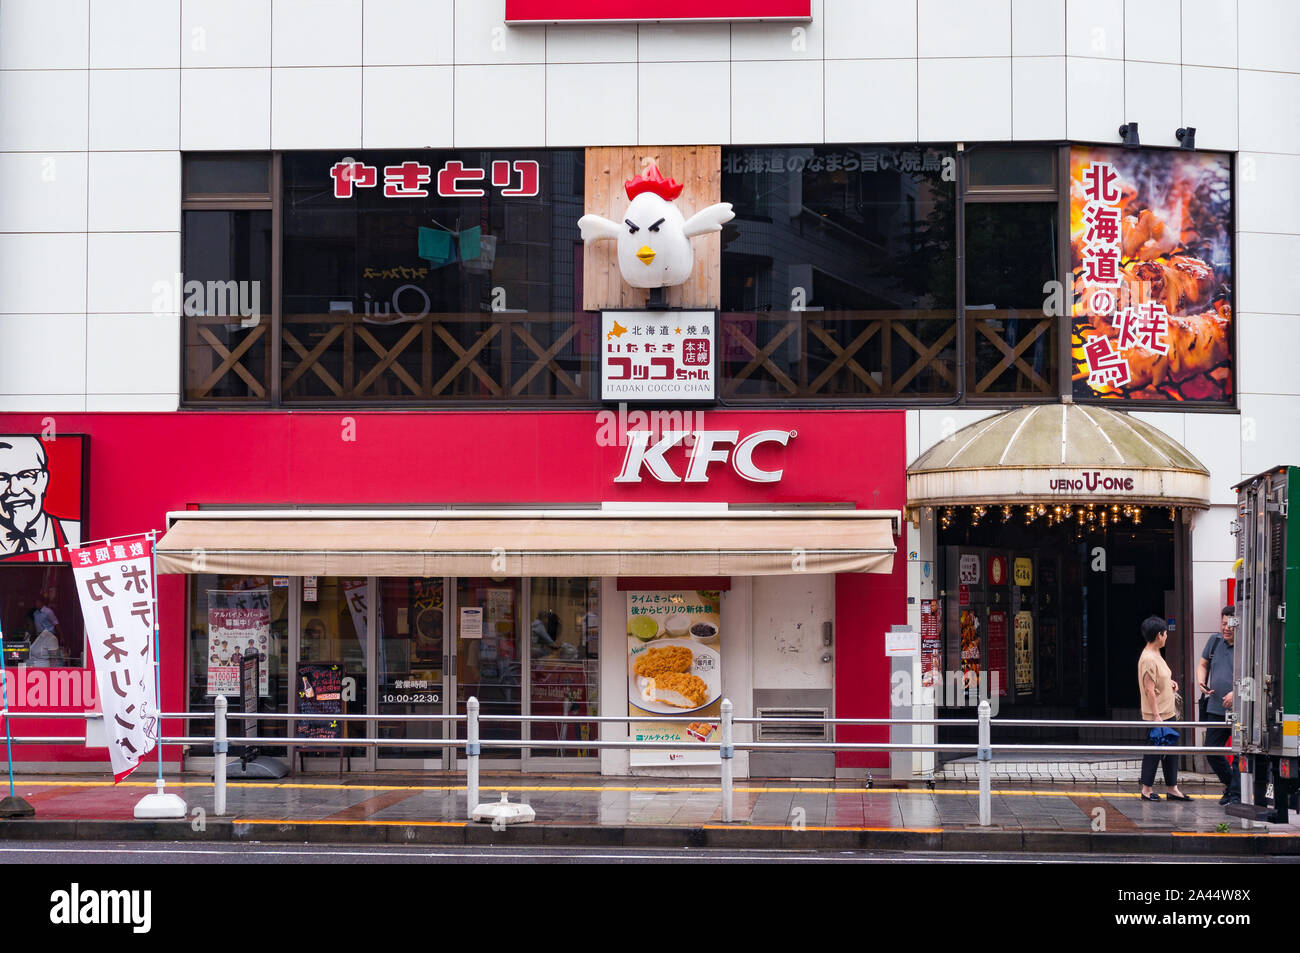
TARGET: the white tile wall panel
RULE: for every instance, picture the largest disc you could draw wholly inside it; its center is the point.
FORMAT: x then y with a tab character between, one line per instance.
316	32
479	125
316	108
1038	27
43	403
912	434
482	36
131	403
42	192
777	41
776	101
1268	31
1210	106
870	101
590	104
1215	440
964	99
123	269
406	107
1209	29
44	34
1211	533
662	87
1151	32
1269	435
1153	98
1173	424
948	28
135	191
869	29
675	42
135	34
1268	192
1038	97
1095	28
135	109
42	274
1270	111
1266	349
571	43
225	109
42	354
1206	576
409	33
1094	99
1266	272
43	109
938	424
225	33
134	354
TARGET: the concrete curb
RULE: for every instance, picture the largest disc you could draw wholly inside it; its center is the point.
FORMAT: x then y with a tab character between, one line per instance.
958	841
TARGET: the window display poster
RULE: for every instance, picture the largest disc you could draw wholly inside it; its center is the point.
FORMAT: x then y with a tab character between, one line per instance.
1024	626
971	655
1152	258
998	650
471	622
674	667
320	692
238	620
931	643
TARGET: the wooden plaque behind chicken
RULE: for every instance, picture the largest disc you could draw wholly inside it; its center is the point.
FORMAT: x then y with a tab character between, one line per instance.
699	170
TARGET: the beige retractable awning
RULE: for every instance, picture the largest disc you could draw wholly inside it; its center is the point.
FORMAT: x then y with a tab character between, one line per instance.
569	546
1057	452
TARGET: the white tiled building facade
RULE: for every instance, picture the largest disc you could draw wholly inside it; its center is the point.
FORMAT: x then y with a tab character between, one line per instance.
99	98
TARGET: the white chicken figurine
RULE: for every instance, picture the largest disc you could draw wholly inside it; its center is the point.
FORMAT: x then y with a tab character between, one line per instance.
654	241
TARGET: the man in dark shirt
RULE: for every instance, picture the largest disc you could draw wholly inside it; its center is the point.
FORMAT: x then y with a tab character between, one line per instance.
1214	676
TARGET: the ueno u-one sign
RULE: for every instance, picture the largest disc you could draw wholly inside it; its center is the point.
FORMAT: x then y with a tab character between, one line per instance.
708	446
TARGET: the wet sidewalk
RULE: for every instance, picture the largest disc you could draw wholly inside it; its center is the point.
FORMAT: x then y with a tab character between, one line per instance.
585	809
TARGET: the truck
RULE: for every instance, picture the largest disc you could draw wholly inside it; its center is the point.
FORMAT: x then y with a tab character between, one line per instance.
1266	675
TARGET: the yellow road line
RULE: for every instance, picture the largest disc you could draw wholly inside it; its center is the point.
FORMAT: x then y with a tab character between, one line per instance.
325	823
778	827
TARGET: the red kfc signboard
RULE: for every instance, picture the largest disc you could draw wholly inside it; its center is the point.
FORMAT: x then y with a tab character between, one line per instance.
605	11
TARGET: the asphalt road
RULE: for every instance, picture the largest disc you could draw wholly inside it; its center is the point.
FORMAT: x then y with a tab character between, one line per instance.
99	852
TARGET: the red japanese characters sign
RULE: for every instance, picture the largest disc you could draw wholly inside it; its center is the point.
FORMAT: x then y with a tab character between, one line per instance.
659	356
1152	267
115	584
626	11
454	179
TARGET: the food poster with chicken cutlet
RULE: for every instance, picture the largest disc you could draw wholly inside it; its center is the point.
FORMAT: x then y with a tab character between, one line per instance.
1151	254
674	667
659	356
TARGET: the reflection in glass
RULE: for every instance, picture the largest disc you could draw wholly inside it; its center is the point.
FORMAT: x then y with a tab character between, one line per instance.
564	639
411	649
489	664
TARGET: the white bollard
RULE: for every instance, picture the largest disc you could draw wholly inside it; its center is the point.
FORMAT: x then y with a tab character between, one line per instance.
728	755
471	756
985	757
219	746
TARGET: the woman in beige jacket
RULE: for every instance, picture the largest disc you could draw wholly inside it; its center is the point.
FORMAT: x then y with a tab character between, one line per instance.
1158	689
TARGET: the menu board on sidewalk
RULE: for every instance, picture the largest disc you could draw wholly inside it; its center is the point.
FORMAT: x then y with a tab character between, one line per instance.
320	692
248	681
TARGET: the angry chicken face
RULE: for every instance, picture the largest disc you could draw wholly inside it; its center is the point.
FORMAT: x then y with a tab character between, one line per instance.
654	247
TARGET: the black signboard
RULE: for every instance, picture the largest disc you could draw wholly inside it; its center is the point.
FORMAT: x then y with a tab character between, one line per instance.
320	692
248	666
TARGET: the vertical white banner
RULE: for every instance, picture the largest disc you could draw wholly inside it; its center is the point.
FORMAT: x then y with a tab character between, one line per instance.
115	584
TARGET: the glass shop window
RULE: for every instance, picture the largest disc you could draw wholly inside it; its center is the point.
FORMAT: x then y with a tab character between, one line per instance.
41	617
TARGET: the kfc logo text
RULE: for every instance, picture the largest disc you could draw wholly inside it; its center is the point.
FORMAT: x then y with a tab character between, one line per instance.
705	450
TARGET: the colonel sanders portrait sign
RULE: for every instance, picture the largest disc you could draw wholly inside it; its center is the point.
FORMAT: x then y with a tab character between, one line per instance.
42	498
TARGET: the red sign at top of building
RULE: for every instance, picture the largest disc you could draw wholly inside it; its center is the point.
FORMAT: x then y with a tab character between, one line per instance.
604	11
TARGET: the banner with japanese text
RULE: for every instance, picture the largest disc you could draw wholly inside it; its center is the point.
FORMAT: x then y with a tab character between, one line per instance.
674	667
115	585
1151	253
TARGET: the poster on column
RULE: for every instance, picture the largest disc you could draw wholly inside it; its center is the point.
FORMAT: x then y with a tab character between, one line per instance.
998	651
1024	625
238	620
115	586
931	643
674	667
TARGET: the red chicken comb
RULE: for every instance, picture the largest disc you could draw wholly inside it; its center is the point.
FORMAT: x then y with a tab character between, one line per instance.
652	181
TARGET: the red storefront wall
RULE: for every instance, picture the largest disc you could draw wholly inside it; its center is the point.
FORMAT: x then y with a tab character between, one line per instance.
142	465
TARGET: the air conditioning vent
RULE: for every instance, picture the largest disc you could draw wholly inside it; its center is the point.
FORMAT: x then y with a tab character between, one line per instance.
780	731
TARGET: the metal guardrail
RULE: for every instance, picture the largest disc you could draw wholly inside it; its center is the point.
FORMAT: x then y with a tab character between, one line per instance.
726	746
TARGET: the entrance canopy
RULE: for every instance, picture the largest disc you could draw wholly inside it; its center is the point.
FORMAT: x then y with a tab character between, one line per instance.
531	543
1058	452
